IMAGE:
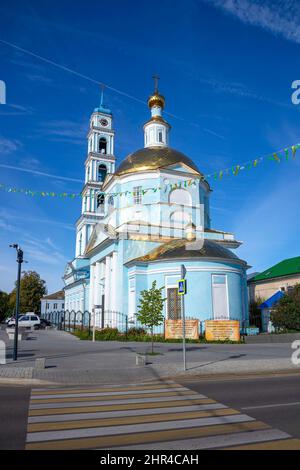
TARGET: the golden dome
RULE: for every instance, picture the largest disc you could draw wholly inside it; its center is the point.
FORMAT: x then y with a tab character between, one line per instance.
153	158
156	100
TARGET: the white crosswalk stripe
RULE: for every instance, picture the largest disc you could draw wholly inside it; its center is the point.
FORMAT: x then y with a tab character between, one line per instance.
158	415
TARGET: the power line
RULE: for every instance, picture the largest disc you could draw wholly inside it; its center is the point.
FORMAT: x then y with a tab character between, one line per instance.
97	82
40	173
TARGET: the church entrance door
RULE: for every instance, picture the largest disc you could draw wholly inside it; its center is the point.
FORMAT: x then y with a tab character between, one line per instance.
173	304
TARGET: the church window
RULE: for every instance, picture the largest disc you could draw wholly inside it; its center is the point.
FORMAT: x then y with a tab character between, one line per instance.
102	145
180	196
102	171
160	136
173	304
111	200
100	200
137	195
220	297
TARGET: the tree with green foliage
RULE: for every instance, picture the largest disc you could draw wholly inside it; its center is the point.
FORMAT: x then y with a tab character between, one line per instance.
4	305
32	289
255	312
150	310
286	315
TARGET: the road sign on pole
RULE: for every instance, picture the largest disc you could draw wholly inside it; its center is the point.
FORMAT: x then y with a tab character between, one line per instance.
182	287
183	271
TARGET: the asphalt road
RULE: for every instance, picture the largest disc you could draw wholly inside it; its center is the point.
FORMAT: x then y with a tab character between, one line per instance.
14	402
274	400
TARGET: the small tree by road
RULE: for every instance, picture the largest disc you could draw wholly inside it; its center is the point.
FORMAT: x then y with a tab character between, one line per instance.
4	307
286	315
150	310
32	289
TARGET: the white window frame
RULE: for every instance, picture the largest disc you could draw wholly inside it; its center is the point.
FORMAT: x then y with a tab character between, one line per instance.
137	195
227	295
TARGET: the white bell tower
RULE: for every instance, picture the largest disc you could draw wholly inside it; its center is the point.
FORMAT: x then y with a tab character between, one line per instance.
156	130
100	162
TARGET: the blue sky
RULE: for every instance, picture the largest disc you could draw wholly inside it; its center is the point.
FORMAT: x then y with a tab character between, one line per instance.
226	69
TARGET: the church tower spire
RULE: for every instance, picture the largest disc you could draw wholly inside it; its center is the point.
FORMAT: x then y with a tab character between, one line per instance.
156	130
99	164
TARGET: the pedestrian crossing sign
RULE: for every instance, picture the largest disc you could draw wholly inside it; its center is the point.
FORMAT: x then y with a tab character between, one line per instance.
182	287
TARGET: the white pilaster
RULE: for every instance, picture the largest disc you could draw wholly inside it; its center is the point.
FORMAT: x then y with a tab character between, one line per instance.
107	283
91	293
97	295
114	281
84	239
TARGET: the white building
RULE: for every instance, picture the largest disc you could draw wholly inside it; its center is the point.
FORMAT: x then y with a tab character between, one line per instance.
53	302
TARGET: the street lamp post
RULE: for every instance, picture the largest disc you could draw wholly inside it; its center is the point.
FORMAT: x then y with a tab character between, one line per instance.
19	261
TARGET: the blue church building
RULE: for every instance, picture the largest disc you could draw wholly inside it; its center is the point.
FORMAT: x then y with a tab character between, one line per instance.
140	221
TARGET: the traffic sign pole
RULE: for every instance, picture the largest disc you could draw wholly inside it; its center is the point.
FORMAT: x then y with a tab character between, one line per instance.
183	333
183	273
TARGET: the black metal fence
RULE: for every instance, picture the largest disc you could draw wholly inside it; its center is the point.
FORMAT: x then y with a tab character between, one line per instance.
71	320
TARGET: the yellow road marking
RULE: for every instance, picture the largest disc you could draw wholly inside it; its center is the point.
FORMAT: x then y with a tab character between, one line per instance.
53	391
92	423
146	437
125	406
282	444
40	401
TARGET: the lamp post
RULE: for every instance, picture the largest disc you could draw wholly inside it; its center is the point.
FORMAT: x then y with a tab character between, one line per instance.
19	261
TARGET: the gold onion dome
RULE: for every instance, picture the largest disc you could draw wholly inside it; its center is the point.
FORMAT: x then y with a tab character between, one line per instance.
156	100
153	158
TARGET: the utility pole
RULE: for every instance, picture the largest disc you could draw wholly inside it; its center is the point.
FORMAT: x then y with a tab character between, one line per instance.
19	261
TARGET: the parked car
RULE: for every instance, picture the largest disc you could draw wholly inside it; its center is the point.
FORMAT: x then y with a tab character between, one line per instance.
44	323
26	321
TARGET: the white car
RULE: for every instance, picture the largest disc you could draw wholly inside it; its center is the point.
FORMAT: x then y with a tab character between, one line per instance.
26	321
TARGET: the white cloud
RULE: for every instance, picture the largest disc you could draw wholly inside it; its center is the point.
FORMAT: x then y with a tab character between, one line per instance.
64	131
37	172
8	146
282	19
11	109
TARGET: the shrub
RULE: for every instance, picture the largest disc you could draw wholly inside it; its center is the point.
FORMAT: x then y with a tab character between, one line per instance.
107	334
136	332
286	315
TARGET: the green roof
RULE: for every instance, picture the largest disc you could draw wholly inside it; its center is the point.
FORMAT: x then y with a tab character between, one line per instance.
286	267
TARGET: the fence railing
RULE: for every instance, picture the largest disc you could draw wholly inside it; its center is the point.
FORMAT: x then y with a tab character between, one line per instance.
71	320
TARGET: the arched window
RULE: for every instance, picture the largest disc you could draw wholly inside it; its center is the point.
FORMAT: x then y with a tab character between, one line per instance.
111	201
100	200
160	136
102	171
102	145
180	196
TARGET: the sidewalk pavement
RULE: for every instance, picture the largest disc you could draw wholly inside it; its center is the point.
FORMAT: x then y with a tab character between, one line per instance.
71	361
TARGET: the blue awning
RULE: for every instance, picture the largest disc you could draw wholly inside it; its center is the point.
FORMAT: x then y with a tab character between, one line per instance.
269	303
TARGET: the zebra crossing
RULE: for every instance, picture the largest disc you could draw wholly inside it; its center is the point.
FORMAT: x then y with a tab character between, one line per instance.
156	415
